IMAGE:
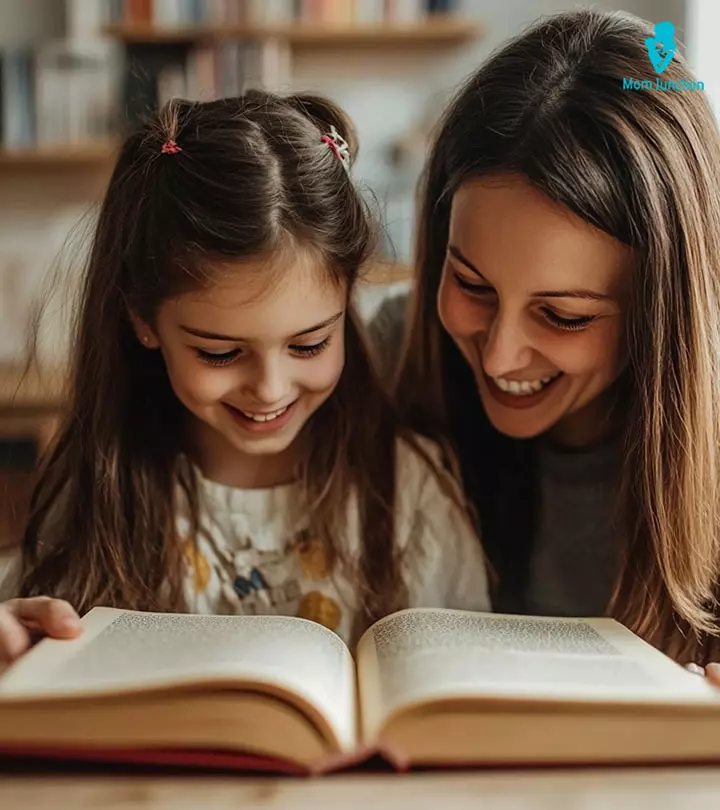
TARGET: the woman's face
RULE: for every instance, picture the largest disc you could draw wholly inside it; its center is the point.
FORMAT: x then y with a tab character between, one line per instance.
533	296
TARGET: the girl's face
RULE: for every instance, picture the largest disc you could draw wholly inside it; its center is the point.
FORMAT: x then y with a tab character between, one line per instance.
253	360
533	297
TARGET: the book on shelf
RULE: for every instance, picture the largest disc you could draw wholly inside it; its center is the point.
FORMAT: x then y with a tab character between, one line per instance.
168	14
60	92
220	70
425	688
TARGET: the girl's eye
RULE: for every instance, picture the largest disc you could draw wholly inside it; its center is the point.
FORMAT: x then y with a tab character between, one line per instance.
568	324
464	284
311	350
213	359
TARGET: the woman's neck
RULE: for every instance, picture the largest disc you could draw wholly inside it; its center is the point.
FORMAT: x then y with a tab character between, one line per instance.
222	463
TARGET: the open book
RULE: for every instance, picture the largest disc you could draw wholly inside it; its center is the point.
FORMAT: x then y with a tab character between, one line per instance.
428	688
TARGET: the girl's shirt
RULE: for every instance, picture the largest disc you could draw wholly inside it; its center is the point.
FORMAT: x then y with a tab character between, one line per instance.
255	553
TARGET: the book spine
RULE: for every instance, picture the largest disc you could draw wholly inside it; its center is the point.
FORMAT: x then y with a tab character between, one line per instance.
115	11
167	13
84	19
236	11
196	12
440	6
15	112
139	12
2	99
368	12
405	11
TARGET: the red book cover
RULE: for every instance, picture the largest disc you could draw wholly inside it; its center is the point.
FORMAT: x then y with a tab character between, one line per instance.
138	12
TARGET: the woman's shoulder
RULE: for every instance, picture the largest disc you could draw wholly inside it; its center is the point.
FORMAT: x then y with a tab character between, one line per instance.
385	312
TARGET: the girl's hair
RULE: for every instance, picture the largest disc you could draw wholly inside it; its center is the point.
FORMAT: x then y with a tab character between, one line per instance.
641	164
253	177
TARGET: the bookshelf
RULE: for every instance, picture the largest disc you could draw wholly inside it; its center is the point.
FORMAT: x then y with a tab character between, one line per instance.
431	32
82	155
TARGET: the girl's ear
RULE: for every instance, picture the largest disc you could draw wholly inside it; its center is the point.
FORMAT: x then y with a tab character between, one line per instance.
145	333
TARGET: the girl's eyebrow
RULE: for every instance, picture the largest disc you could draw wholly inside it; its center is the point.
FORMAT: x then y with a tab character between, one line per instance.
201	333
590	295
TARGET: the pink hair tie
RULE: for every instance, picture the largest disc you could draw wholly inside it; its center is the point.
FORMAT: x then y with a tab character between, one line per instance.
339	146
170	148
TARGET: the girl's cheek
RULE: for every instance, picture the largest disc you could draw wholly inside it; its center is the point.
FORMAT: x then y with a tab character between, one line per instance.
196	382
325	371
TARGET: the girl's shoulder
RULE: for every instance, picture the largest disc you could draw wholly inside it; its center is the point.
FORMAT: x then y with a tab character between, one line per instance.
424	471
10	565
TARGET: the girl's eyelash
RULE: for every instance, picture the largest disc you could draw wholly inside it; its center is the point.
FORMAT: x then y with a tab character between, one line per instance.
225	358
568	324
214	359
312	350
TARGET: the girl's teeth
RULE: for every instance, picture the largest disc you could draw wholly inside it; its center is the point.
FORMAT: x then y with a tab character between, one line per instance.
523	388
265	417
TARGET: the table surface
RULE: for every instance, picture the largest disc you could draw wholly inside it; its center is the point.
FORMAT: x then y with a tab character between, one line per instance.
659	789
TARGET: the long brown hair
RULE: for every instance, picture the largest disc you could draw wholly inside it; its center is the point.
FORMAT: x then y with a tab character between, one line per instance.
253	175
643	165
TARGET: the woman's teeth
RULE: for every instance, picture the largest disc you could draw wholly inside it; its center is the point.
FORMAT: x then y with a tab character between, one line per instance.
264	417
523	388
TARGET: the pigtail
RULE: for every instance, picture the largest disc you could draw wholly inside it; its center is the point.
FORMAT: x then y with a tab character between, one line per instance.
326	115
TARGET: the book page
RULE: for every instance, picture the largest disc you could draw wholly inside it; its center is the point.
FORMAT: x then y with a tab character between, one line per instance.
126	650
419	655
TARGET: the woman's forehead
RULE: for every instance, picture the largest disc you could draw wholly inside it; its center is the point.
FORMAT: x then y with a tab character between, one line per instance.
508	230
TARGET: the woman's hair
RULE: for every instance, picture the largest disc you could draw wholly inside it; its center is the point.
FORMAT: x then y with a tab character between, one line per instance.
253	176
643	165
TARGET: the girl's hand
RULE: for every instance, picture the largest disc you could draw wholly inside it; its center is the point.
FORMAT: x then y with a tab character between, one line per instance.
21	618
711	672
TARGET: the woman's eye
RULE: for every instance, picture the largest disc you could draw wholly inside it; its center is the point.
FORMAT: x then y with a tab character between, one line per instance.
470	286
568	324
310	350
214	359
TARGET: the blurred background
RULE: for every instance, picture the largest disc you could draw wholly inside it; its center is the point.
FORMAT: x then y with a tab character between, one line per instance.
74	73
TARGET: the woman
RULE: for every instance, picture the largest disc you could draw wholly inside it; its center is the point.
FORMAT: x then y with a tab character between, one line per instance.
565	329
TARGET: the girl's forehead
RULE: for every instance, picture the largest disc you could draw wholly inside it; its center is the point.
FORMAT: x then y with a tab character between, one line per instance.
257	301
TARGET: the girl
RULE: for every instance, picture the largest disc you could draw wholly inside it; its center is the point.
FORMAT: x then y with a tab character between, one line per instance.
228	447
565	331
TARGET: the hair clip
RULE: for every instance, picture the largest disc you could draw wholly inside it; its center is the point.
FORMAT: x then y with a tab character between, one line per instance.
170	148
339	145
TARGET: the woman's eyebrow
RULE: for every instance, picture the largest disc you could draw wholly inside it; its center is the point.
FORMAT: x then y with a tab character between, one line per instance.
588	295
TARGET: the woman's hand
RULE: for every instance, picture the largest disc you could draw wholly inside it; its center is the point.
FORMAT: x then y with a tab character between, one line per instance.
711	672
21	618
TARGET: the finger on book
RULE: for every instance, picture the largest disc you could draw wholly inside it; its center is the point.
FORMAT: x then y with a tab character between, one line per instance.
14	638
55	617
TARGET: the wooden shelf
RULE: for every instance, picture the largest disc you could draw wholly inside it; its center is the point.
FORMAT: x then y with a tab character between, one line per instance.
431	32
91	154
31	391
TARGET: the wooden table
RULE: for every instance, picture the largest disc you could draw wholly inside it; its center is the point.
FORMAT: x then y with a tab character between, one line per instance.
654	789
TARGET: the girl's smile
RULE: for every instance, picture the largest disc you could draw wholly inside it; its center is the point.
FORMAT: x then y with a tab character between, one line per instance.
263	423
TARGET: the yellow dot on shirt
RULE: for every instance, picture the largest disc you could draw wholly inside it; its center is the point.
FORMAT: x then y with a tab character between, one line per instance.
319	608
199	565
313	559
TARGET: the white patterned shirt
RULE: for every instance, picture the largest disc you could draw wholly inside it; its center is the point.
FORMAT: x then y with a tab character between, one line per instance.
255	554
